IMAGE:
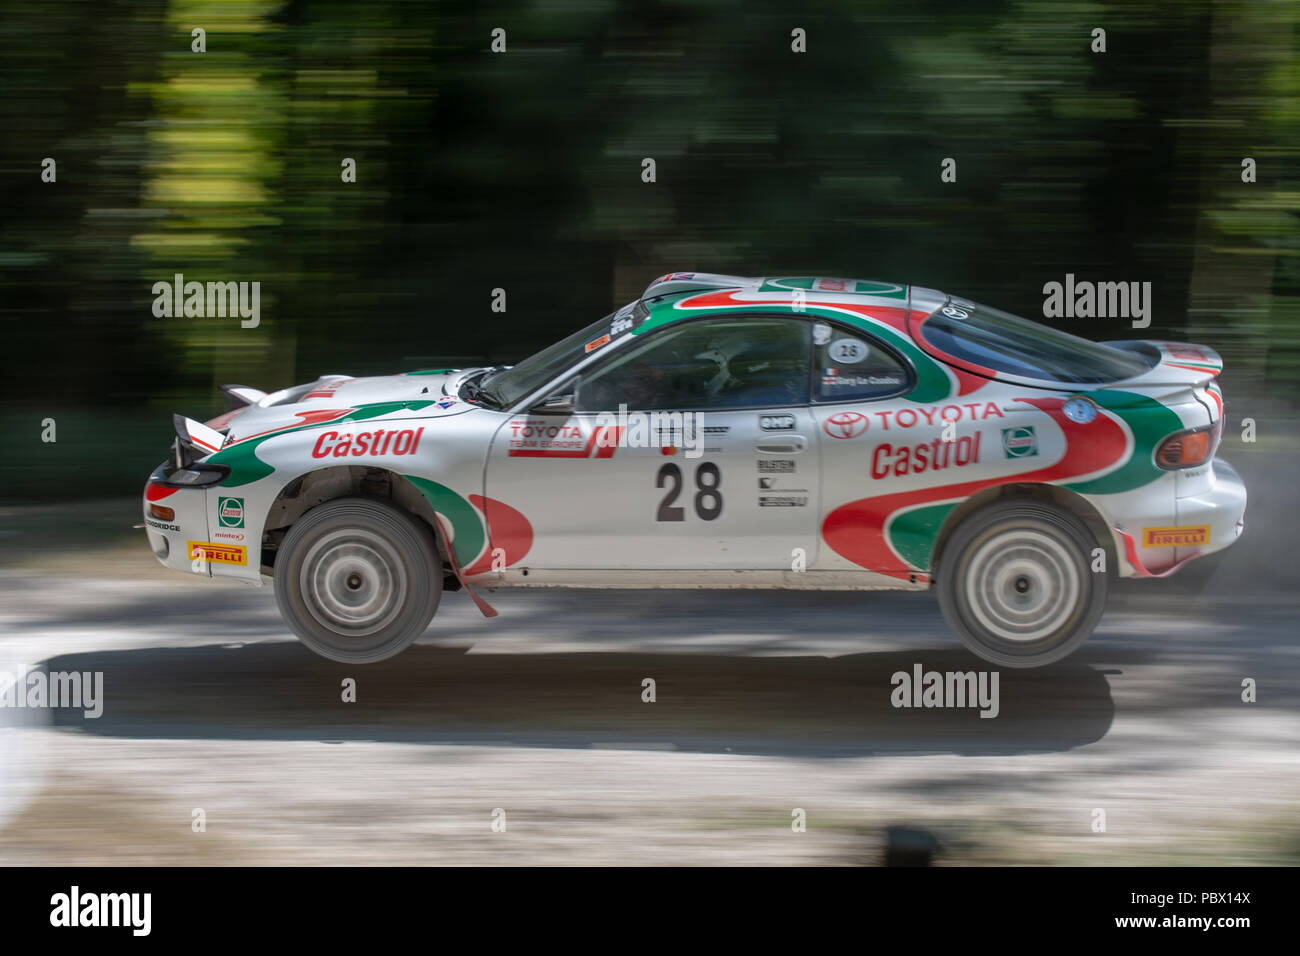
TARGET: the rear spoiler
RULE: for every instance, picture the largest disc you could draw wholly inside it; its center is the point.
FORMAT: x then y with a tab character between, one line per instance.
1176	363
1199	359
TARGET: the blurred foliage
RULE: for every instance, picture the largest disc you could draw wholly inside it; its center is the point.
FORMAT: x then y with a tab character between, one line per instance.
522	170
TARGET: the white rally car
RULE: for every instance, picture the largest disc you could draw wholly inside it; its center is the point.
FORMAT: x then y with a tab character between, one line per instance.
722	432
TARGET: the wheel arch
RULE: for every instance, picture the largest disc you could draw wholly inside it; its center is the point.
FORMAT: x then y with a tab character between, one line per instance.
314	488
1064	498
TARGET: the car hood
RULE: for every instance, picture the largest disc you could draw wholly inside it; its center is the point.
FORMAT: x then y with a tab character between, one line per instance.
335	397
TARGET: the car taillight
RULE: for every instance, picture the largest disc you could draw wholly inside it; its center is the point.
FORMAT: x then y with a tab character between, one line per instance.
1187	449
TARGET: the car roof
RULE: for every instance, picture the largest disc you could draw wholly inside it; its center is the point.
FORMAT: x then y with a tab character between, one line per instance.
665	296
813	287
879	308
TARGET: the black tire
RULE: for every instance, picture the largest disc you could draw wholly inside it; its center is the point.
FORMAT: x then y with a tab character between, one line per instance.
358	580
1016	584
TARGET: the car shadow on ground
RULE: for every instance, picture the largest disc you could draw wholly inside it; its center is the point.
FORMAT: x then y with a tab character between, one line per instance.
775	705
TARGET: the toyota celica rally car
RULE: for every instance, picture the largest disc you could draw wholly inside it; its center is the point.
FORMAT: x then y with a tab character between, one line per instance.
722	432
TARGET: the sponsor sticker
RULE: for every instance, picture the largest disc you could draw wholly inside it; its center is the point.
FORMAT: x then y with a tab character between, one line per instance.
776	423
778	466
219	553
400	441
1176	536
783	501
920	415
159	526
228	535
845	425
1020	442
542	438
230	512
938	455
597	343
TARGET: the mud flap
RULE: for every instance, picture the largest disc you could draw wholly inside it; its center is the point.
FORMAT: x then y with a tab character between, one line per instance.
445	544
1131	555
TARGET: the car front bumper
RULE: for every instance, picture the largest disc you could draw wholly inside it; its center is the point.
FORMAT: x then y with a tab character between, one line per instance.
172	540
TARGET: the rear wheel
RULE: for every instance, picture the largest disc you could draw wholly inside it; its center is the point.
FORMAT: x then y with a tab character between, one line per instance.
357	580
1016	584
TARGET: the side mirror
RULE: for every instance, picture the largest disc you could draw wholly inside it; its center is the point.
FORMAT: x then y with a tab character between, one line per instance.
562	402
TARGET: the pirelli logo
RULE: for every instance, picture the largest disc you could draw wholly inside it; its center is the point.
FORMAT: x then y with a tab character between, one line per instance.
1178	536
219	553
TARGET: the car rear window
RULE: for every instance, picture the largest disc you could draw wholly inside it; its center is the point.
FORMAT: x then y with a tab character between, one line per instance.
853	367
1007	343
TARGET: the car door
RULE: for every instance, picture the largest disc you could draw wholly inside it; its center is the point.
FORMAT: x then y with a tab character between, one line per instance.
690	448
876	445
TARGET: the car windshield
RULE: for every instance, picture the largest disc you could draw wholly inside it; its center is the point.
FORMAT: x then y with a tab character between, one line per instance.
1007	343
507	386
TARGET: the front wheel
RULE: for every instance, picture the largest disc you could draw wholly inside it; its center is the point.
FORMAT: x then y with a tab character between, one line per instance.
1016	584
357	580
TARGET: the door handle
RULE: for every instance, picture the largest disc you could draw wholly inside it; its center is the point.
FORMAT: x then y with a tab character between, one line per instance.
785	445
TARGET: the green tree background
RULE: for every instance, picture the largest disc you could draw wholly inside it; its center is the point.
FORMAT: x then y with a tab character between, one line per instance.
522	170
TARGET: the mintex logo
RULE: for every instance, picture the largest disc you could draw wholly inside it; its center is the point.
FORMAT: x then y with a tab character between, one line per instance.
1180	536
230	512
1020	442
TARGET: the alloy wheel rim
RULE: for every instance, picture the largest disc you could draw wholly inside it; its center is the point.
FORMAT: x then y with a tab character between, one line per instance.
354	582
1023	585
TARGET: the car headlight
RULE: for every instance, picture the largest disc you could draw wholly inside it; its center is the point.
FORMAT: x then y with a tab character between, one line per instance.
196	475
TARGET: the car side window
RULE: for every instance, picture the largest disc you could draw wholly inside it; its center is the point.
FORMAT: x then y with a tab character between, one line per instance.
737	362
851	366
